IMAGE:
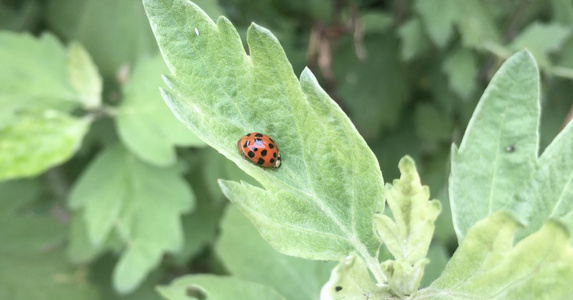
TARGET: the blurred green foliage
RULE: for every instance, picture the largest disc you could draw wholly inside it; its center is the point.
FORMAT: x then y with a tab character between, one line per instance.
408	74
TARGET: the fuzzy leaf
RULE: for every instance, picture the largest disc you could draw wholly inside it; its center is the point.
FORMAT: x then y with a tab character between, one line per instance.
138	202
488	266
408	235
549	194
350	280
38	140
499	150
216	288
84	76
258	262
145	124
329	185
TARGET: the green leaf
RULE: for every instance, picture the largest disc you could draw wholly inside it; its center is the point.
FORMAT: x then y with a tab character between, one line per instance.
438	257
216	288
115	33
488	266
438	17
329	185
432	124
541	40
462	70
408	234
258	262
34	74
145	124
499	150
549	193
138	202
33	266
350	279
362	85
37	141
414	42
476	24
84	76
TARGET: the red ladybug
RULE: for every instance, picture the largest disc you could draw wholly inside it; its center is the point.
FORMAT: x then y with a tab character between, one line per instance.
260	149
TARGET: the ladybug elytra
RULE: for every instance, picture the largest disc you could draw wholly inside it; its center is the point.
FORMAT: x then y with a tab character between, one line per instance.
260	149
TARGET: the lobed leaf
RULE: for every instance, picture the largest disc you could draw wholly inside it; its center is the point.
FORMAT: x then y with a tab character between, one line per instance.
329	185
488	266
549	193
84	76
140	203
541	40
499	150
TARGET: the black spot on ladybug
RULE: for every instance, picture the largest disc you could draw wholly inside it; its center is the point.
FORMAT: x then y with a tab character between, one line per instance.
254	149
259	135
246	144
264	153
260	161
338	288
510	148
274	154
272	160
271	146
248	134
251	154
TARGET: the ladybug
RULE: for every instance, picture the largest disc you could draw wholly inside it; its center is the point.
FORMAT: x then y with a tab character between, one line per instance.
260	149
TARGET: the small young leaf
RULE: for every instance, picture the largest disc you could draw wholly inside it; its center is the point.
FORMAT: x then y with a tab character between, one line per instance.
414	42
84	76
140	203
145	124
499	150
258	262
476	24
488	266
408	235
213	287
329	185
38	140
350	280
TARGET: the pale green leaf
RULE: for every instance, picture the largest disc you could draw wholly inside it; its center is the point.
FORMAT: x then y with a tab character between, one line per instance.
549	193
115	33
84	76
295	278
38	140
488	266
476	24
414	42
499	150
350	280
140	203
213	287
329	185
541	40
145	124
462	70
438	18
33	73
438	257
33	265
408	234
